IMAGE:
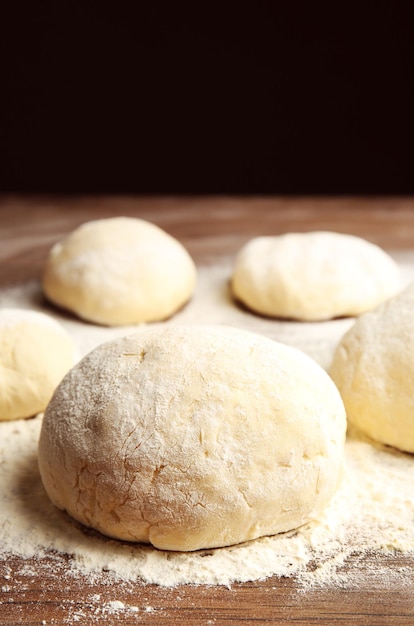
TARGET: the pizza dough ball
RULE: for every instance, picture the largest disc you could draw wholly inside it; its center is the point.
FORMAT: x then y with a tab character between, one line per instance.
35	354
373	368
119	271
313	276
193	437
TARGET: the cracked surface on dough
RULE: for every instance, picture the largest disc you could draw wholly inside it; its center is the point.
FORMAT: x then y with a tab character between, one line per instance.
193	438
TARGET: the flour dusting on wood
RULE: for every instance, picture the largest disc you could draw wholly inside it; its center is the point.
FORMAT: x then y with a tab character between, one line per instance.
373	511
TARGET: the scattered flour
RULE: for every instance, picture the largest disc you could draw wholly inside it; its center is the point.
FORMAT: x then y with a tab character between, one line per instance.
372	511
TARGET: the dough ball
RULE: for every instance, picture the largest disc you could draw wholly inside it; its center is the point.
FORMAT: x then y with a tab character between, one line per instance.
193	437
373	368
313	276
35	354
119	271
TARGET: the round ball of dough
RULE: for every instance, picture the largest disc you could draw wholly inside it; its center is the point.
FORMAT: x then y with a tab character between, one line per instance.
373	368
313	276
119	271
35	354
193	437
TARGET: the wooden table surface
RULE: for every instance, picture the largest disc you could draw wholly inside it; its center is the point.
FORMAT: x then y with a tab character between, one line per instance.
210	228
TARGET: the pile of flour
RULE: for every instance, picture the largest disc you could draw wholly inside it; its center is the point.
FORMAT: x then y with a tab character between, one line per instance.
372	511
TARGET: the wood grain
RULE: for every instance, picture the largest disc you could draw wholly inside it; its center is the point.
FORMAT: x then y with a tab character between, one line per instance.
210	228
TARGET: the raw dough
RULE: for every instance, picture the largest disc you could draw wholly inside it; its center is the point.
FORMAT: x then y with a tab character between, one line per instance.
373	367
35	354
313	276
119	271
193	437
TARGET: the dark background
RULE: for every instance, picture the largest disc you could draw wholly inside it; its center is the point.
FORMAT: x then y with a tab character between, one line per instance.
255	98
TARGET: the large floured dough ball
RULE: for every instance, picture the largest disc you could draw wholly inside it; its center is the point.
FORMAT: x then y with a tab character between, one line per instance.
35	354
119	271
313	276
193	437
373	367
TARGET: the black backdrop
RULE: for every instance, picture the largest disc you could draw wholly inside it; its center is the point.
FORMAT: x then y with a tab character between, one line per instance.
241	98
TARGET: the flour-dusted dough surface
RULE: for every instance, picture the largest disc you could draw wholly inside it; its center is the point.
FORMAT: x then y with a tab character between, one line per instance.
193	437
313	276
373	368
119	271
35	354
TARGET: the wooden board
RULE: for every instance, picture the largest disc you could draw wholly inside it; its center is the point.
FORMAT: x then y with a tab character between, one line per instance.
211	228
